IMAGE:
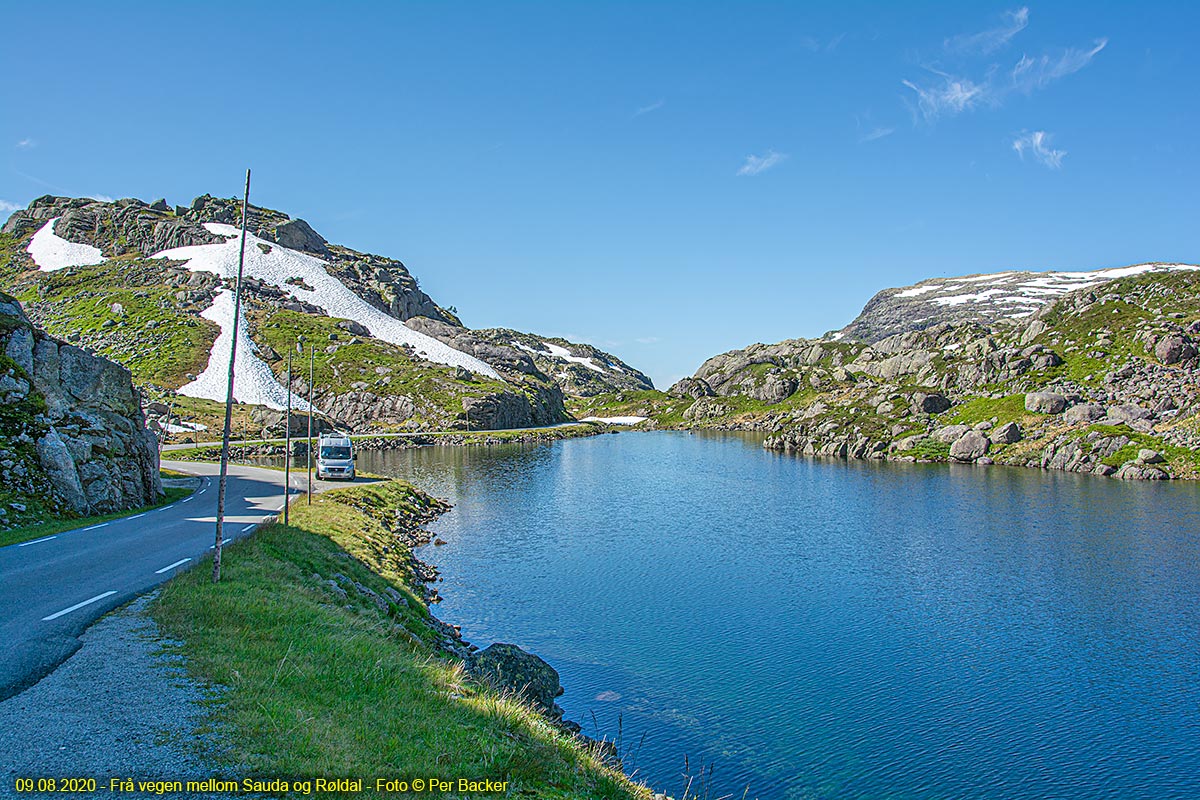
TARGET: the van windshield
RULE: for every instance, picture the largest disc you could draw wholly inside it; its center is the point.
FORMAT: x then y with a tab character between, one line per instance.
335	453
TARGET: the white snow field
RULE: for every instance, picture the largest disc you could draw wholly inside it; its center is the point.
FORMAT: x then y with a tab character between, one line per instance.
328	293
253	380
1021	293
51	252
616	420
562	354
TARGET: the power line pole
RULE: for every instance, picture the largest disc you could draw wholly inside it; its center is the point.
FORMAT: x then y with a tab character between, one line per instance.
287	448
237	318
312	349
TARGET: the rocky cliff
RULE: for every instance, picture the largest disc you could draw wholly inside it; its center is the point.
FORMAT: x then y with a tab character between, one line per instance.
72	438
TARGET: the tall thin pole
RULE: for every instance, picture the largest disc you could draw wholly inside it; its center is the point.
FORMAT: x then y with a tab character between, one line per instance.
312	348
237	317
287	448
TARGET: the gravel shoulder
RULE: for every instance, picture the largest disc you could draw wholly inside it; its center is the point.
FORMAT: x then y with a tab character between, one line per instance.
121	706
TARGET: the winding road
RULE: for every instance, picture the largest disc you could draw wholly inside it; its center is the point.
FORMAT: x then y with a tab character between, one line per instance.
52	588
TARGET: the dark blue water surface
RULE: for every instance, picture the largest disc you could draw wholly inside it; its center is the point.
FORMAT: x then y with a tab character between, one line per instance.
824	629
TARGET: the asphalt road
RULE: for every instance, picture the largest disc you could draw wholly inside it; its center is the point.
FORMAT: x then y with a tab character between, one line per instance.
52	588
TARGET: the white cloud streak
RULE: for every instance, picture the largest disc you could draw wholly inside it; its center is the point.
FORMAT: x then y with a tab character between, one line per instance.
26	143
7	207
756	165
1036	73
652	107
877	133
1037	144
990	41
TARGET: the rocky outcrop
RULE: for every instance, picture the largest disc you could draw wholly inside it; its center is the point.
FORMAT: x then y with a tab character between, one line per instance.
73	433
117	228
508	668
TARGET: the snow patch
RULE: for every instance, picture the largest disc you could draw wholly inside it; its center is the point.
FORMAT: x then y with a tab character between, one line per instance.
616	420
253	380
561	353
52	252
327	292
917	291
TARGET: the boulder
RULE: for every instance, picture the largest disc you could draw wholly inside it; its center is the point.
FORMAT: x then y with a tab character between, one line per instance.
950	433
1008	433
55	458
1148	456
1173	349
297	234
930	403
970	446
1045	403
509	668
354	328
1083	413
1126	413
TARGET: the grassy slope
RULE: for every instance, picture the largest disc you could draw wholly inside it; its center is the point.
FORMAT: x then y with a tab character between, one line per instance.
324	686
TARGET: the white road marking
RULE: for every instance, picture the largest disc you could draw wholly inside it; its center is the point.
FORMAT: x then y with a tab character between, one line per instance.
168	508
94	527
169	567
186	499
87	602
202	491
248	527
35	541
139	516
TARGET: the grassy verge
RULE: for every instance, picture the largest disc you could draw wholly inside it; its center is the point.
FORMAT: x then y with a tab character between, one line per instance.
30	532
323	684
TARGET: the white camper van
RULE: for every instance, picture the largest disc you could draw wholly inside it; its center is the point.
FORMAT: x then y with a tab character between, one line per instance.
335	457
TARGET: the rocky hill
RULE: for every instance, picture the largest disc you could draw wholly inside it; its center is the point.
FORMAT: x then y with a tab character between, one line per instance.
1104	379
149	286
986	299
72	436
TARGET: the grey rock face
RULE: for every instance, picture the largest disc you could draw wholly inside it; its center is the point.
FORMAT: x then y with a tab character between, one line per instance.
691	387
1126	413
1173	349
970	446
91	443
1045	403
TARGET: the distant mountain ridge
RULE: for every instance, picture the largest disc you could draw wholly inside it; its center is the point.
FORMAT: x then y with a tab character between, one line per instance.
985	298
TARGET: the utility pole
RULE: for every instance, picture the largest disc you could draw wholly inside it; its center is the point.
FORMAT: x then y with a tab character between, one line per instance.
237	318
287	447
312	349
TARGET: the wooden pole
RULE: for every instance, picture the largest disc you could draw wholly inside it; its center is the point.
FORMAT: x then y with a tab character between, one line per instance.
311	354
237	316
287	447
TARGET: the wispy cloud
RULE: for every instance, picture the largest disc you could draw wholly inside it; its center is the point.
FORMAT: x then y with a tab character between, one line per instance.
877	133
7	207
951	95
103	198
814	45
758	164
1036	73
991	40
26	143
647	340
655	106
1037	144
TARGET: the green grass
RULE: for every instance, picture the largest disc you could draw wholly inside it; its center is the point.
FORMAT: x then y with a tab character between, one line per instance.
322	686
978	409
29	532
1183	462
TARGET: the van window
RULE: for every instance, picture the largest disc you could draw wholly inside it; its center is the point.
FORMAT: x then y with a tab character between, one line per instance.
335	453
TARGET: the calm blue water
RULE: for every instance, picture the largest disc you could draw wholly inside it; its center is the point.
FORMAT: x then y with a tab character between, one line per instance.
824	629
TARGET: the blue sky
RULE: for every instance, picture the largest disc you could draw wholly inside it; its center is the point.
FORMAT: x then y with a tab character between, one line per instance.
664	180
